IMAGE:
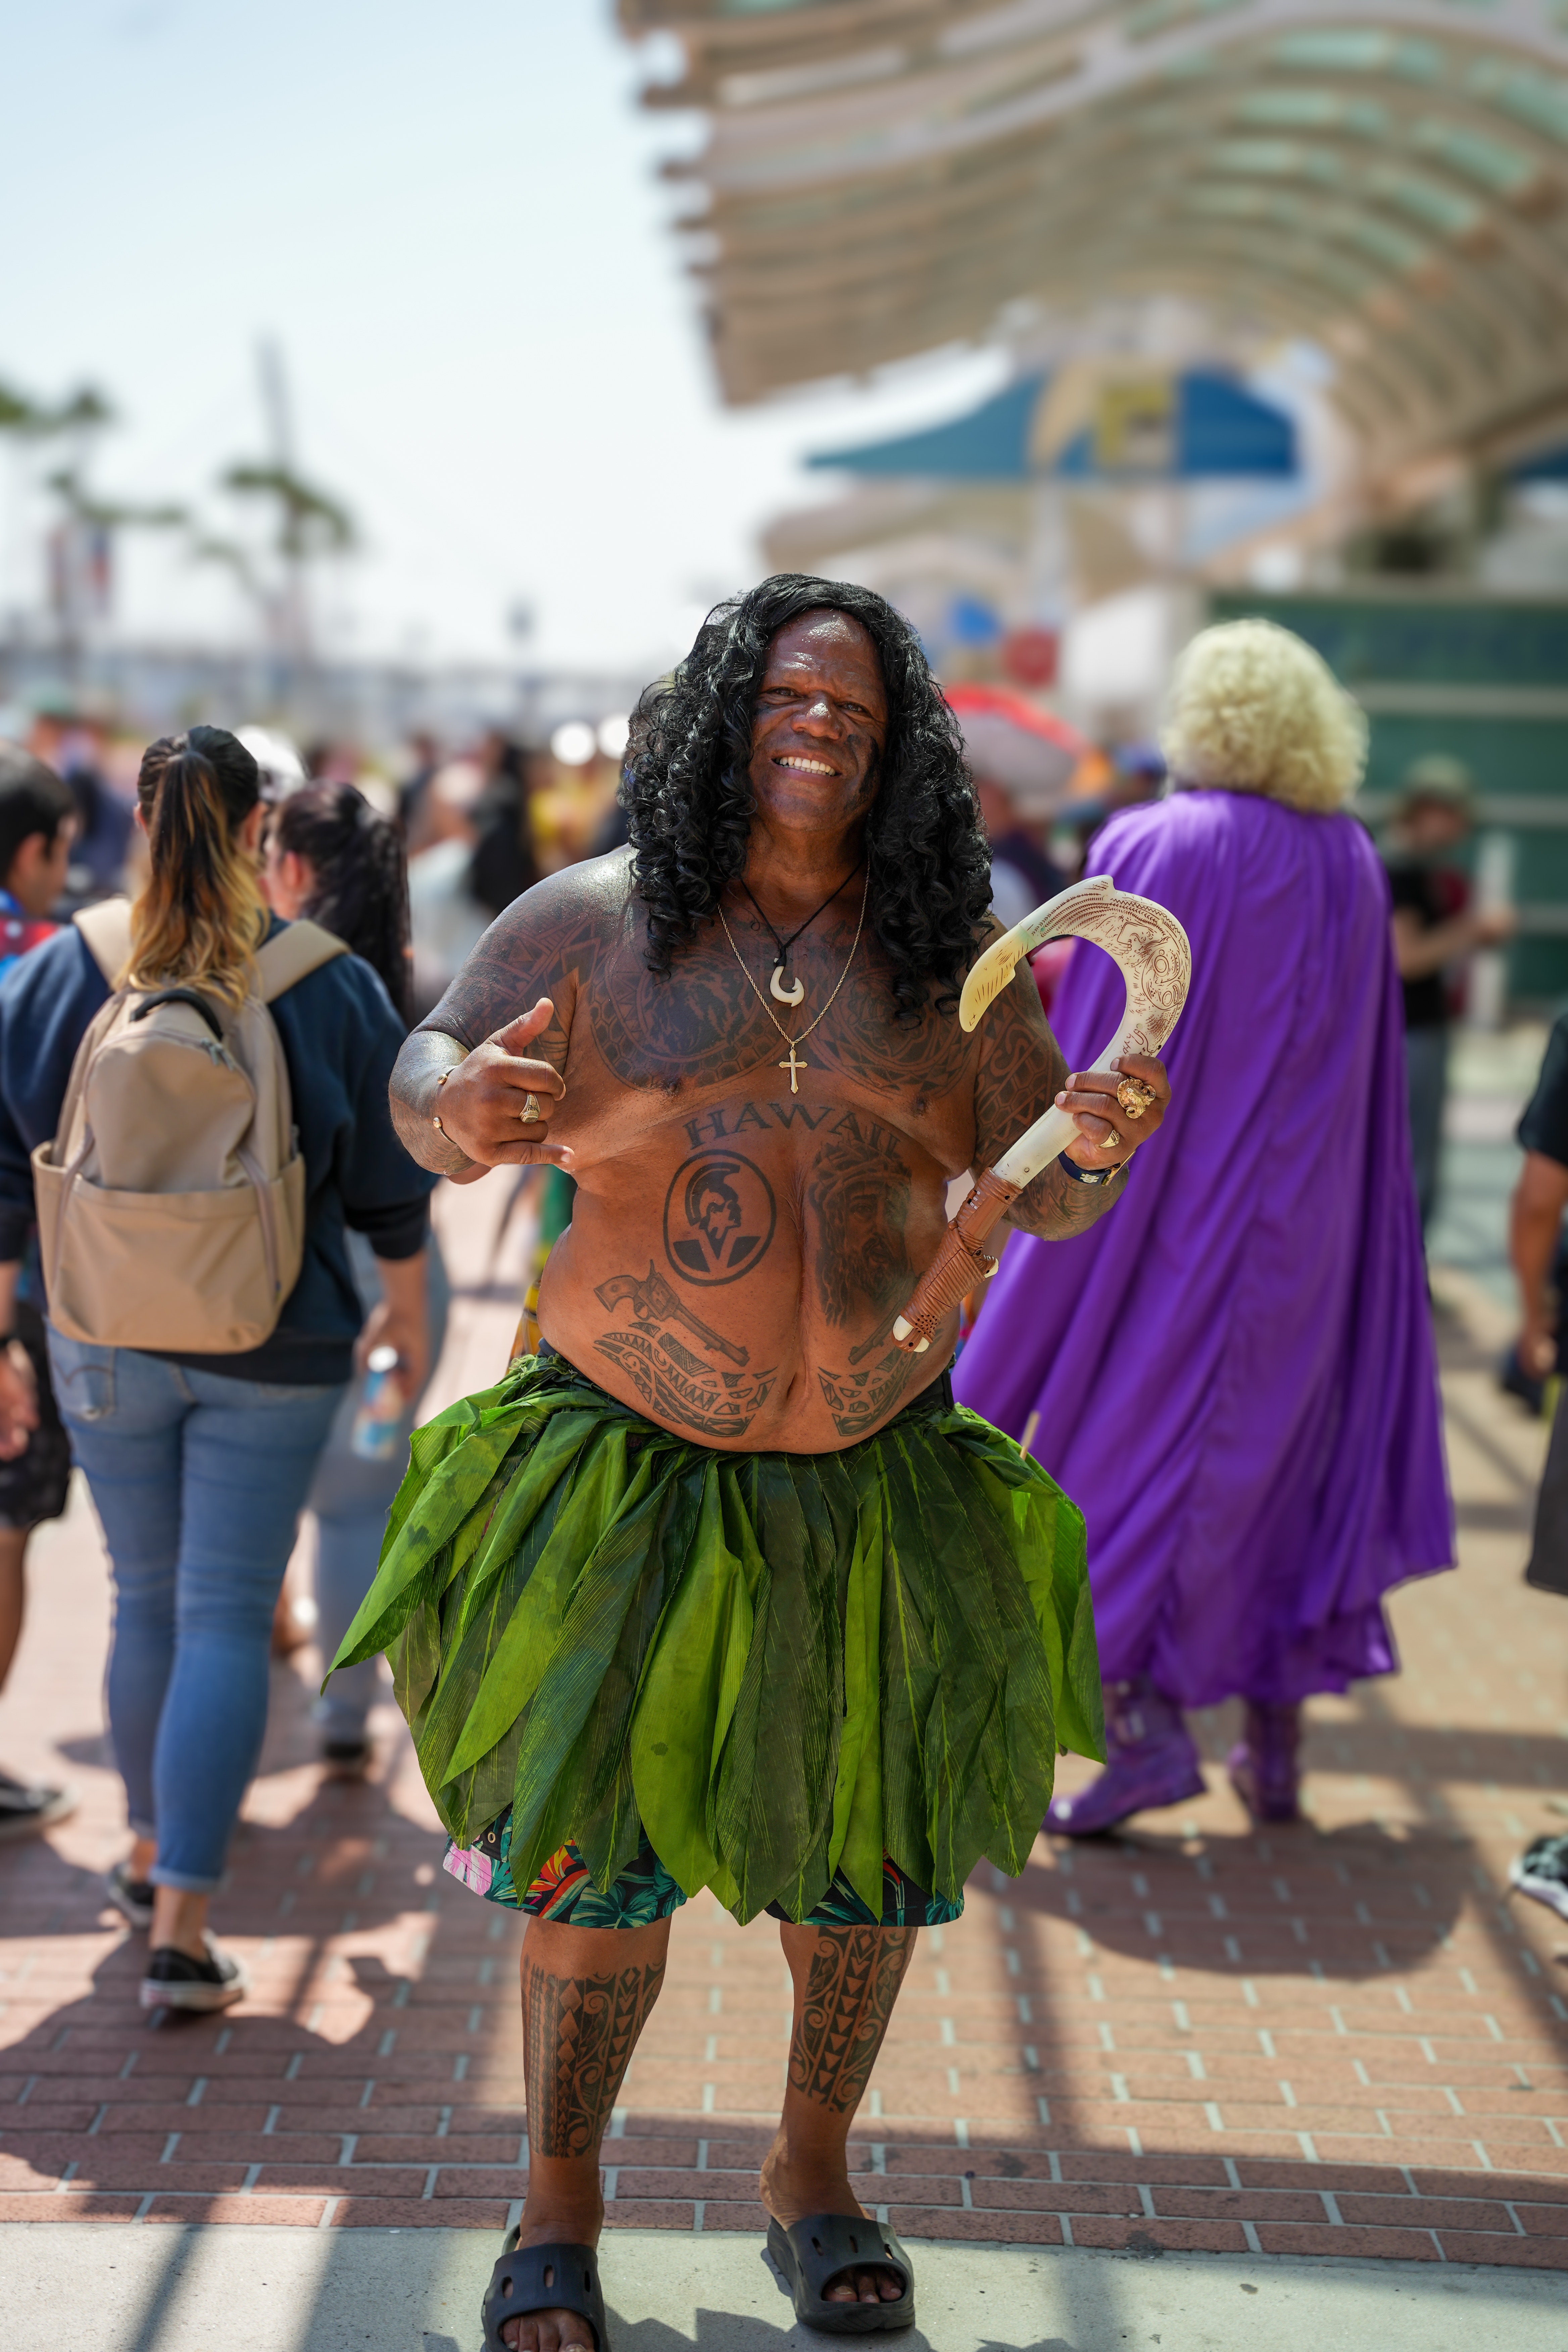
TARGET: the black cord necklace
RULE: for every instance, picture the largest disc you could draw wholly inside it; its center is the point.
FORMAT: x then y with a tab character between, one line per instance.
794	994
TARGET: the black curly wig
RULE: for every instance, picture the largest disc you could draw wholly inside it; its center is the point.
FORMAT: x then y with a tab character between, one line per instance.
686	792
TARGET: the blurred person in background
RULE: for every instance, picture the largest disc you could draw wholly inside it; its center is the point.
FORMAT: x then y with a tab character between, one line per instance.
1534	1227
505	861
424	762
278	762
199	1462
71	742
1022	760
1433	927
37	825
1267	1461
333	860
447	920
1137	773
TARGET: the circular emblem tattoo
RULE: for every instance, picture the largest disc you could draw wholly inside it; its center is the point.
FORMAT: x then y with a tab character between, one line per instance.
719	1217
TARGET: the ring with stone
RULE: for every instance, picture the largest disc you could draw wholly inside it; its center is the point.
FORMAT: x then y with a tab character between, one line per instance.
531	1114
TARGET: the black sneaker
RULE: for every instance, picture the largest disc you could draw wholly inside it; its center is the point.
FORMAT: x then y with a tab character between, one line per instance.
27	1807
174	1980
1541	1870
133	1896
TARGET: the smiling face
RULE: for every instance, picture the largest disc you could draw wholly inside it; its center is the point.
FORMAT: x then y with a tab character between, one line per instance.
820	724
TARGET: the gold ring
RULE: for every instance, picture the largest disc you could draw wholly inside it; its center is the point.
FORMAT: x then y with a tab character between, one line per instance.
1113	1142
437	1125
1135	1095
531	1114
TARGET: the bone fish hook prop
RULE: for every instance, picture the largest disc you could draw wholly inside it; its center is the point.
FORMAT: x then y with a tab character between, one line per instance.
794	995
1155	960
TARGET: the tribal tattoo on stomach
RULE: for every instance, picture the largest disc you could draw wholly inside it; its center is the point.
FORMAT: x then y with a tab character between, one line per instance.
715	1391
860	1196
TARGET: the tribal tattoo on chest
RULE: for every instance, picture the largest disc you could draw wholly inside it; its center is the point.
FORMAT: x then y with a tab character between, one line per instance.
720	1216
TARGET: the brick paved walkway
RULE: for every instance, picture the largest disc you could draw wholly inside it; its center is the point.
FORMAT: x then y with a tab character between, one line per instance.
1343	2037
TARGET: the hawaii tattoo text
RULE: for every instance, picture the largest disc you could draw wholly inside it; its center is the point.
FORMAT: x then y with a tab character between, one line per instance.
850	1989
580	2033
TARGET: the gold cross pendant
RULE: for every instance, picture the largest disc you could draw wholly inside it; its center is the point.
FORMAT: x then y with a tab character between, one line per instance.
791	1066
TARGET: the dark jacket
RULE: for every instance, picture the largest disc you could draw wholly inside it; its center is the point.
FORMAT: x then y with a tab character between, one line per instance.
340	1037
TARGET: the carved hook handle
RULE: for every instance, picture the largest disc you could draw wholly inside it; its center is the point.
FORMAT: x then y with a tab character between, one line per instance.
1155	958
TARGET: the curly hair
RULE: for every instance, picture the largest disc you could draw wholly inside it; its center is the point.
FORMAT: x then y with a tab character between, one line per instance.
686	791
361	879
1255	710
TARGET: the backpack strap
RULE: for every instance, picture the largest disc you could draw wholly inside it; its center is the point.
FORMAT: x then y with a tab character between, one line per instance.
106	928
292	954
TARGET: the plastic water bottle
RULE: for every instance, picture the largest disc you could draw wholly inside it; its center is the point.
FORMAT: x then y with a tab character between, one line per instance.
375	1430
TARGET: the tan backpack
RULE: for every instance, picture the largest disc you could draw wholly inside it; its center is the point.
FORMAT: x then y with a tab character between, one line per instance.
172	1199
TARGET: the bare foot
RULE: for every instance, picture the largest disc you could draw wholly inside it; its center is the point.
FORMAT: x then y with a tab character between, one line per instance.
549	2330
790	2190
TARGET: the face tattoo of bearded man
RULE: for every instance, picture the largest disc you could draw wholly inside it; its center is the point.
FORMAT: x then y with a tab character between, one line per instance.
720	1590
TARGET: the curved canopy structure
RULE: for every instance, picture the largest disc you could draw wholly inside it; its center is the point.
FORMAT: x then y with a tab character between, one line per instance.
888	176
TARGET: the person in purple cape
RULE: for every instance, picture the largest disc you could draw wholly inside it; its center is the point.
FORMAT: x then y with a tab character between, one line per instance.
1236	1379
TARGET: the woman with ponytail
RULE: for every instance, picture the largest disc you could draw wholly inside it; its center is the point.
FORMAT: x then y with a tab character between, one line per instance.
331	859
199	1461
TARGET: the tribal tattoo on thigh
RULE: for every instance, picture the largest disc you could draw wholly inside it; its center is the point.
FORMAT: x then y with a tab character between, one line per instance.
579	2036
850	1989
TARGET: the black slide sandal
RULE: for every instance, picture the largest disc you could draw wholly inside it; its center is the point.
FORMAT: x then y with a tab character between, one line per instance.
518	2288
811	2254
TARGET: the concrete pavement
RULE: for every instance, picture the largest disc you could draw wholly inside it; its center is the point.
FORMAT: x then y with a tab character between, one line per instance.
292	2290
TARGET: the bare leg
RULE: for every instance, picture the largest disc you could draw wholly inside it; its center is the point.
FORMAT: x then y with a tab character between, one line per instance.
586	1994
13	1594
846	1982
178	1919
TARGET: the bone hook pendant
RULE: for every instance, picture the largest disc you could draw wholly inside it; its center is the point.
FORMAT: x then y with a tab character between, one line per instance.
796	995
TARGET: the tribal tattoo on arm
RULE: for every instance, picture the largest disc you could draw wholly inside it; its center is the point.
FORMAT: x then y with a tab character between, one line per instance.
850	1989
547	943
579	2036
1021	1073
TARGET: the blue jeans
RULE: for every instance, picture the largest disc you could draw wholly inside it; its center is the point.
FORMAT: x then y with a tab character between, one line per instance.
198	1482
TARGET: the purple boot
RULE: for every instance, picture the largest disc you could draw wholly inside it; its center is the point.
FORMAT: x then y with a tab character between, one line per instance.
1153	1762
1262	1764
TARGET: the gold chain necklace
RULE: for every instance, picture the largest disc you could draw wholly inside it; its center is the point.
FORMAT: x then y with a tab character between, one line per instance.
794	1064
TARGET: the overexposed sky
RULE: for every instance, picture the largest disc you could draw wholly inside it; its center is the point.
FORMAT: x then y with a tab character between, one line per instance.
450	220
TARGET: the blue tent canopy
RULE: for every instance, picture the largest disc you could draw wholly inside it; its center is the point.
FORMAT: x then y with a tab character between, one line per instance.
1216	428
1546	466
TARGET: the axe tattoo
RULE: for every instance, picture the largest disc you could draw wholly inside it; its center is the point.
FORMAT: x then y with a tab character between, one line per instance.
652	1301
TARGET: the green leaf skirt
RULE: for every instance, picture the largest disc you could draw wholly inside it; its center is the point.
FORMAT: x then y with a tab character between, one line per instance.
778	1666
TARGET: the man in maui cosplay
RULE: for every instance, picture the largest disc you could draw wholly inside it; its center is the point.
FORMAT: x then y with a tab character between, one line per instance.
1268	1463
720	1590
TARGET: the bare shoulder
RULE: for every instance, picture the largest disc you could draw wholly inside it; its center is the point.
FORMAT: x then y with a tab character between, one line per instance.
546	943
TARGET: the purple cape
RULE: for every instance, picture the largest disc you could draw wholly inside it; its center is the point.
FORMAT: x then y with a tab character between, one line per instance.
1234	1370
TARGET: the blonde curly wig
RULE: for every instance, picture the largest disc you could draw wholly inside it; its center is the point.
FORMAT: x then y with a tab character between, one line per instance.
1255	710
